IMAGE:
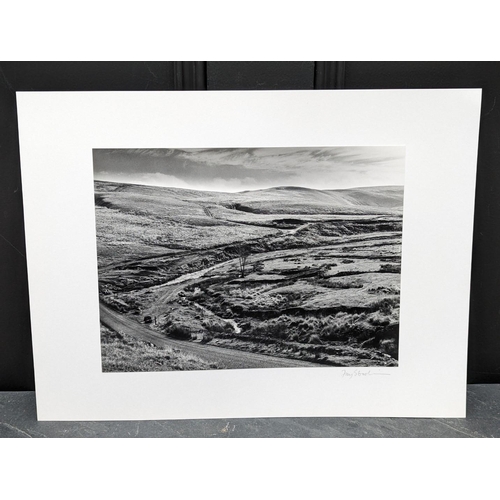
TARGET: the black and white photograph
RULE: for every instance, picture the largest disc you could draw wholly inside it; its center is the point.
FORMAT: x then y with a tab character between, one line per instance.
230	258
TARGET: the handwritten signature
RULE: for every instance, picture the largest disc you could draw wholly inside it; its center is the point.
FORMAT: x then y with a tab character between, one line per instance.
360	373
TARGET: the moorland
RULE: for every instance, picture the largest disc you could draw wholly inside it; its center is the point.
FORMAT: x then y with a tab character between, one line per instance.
285	276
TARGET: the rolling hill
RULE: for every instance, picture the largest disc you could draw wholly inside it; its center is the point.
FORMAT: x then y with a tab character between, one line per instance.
283	199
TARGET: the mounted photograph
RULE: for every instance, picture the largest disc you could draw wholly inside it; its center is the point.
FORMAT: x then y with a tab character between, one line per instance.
232	258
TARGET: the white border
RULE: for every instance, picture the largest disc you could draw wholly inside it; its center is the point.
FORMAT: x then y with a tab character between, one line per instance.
58	131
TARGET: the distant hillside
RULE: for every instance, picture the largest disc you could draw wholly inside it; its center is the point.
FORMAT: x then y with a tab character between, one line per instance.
291	199
280	200
380	196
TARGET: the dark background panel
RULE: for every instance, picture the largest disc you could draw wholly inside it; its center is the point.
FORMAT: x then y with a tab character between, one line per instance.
67	76
260	75
278	75
16	364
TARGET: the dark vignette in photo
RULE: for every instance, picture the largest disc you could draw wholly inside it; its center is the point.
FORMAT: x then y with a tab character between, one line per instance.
227	258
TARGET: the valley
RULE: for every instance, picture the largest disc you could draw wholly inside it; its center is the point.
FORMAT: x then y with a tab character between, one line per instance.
290	275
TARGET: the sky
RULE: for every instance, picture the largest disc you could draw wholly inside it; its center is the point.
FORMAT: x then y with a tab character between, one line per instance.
240	169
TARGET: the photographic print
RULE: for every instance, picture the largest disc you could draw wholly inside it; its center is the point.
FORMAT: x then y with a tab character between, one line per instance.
230	258
263	265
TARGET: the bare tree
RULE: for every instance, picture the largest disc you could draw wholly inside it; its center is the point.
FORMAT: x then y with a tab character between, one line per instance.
243	254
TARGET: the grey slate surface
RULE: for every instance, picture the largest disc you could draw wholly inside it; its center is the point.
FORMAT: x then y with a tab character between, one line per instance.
18	420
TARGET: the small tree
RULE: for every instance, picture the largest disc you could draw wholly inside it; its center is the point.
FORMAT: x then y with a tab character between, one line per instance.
243	254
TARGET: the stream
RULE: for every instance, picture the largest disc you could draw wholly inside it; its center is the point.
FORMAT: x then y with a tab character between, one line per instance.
233	323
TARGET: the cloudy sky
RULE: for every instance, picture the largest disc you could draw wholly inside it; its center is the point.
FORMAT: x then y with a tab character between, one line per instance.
225	169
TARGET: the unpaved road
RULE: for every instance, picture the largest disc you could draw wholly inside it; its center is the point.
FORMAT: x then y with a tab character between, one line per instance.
229	358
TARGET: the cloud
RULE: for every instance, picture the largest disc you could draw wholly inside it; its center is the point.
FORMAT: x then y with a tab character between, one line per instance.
158	179
233	169
150	179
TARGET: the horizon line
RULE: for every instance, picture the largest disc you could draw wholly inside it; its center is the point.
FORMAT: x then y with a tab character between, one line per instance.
247	190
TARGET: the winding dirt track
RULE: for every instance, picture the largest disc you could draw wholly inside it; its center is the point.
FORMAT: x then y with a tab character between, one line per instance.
229	358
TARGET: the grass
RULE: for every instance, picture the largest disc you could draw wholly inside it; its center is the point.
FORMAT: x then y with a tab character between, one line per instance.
333	355
122	353
343	326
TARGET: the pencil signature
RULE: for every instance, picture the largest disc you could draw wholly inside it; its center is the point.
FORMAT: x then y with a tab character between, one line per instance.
360	373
